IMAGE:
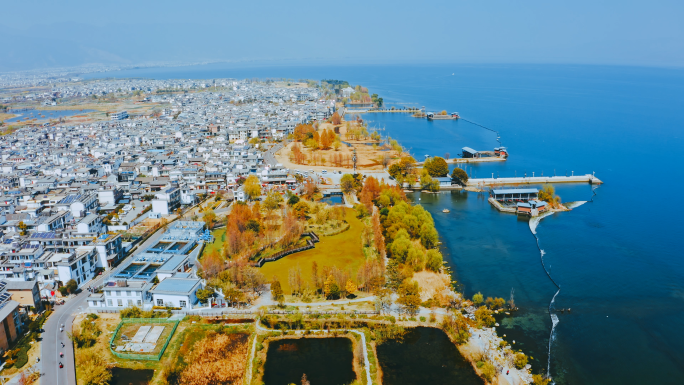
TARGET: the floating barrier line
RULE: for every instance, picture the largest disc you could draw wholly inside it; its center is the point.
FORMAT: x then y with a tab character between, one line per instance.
553	316
486	128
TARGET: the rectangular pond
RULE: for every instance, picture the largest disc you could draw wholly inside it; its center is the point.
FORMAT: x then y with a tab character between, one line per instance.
130	270
333	200
424	356
177	246
124	376
325	361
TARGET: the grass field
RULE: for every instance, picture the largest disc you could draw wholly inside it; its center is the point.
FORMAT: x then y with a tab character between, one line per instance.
219	238
341	250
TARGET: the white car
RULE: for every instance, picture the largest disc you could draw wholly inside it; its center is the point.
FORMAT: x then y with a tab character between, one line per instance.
127	208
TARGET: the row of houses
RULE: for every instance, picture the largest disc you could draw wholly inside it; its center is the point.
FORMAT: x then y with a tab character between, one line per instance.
68	191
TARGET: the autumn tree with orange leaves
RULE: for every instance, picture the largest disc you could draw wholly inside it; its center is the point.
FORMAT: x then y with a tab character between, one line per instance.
301	131
298	156
335	118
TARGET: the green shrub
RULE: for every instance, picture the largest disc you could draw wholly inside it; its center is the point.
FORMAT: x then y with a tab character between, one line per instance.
130	312
479	364
422	319
488	371
520	360
22	357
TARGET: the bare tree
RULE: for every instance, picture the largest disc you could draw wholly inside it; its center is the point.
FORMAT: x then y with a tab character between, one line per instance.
386	160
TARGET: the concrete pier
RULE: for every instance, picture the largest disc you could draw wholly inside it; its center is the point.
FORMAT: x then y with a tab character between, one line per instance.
476	160
469	160
499	207
588	178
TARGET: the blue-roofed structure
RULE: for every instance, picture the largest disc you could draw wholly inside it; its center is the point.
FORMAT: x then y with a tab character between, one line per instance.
169	258
176	285
176	292
443	181
470	153
515	194
69	199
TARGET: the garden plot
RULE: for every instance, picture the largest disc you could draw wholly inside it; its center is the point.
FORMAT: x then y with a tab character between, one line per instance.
146	338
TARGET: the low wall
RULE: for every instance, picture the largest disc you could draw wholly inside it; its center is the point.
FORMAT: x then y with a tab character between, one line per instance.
501	208
144	357
310	244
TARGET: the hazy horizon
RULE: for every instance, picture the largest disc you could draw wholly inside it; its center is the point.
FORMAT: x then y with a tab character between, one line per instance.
43	34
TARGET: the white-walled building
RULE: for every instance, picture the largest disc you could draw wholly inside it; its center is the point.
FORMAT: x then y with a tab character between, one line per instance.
109	197
92	223
167	201
79	265
176	292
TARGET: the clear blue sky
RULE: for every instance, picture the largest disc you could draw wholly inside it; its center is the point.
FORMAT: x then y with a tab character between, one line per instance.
624	32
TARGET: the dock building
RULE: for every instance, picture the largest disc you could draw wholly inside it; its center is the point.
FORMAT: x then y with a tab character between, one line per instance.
515	194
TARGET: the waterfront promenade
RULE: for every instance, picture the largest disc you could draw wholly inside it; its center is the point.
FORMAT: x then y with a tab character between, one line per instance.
588	178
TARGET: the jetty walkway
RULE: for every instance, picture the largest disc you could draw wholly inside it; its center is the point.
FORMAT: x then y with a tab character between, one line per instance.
469	160
588	178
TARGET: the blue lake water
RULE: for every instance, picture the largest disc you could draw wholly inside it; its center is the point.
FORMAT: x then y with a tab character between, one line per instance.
617	259
44	114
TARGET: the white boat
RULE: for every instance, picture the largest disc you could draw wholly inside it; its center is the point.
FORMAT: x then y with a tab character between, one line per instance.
446	211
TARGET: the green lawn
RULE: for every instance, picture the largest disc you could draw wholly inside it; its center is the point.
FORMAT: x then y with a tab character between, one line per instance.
341	250
219	238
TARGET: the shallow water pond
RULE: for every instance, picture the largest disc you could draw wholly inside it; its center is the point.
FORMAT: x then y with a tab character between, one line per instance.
123	376
424	356
333	200
325	361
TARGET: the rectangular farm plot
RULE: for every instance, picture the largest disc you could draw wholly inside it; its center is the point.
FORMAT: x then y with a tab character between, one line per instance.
141	333
150	338
153	335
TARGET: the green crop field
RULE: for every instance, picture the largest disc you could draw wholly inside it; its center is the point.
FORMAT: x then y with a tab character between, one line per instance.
341	250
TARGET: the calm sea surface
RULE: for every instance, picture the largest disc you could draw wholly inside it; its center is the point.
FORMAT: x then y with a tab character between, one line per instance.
618	259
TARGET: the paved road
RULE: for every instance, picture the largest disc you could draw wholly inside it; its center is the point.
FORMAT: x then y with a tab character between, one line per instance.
64	315
269	156
51	345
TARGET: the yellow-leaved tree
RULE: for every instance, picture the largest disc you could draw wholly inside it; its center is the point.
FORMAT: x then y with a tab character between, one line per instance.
326	286
252	187
351	287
